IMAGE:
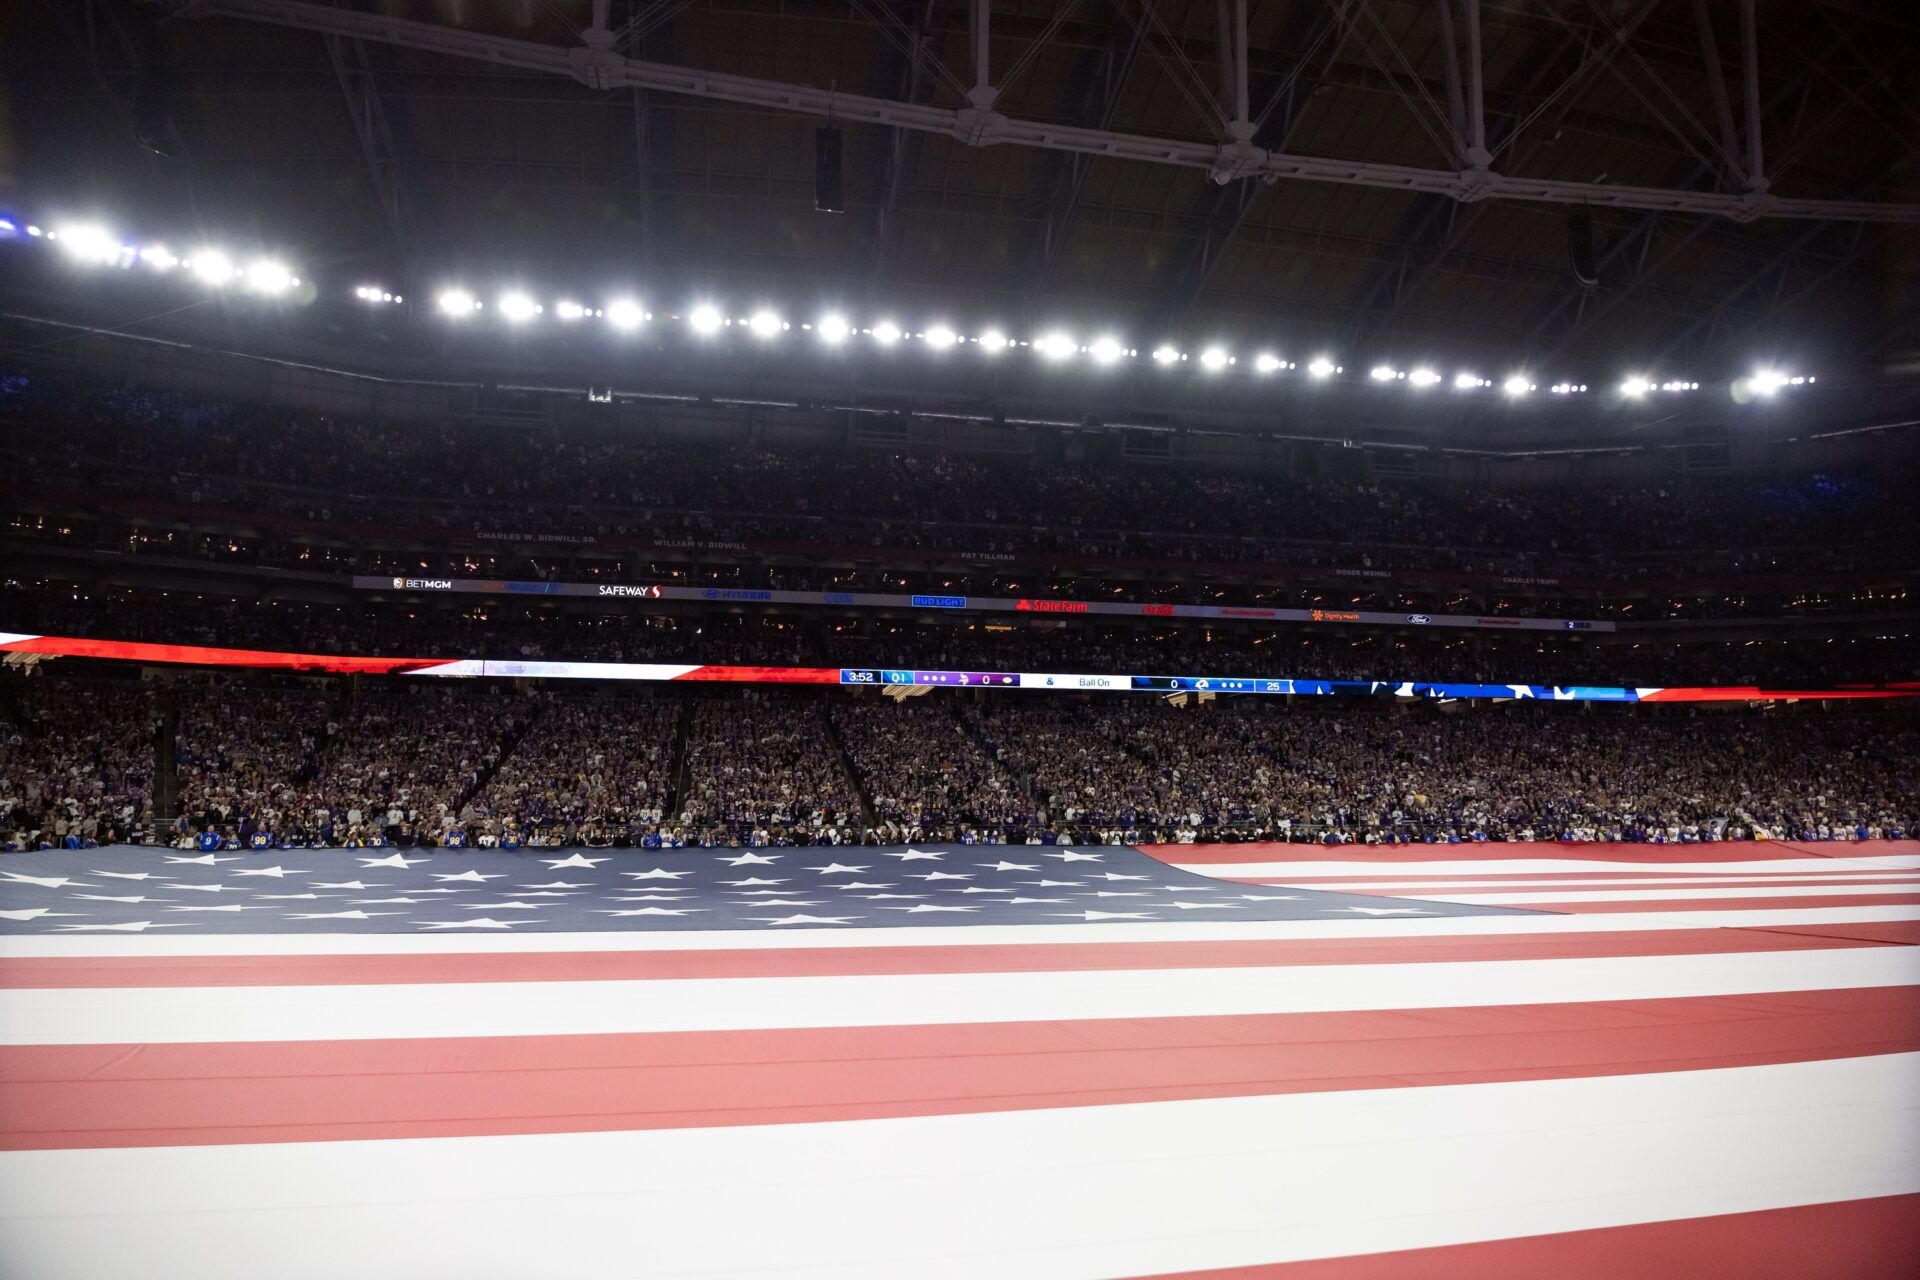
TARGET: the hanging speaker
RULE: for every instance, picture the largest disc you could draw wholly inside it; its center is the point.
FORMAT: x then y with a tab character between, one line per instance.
1580	249
827	195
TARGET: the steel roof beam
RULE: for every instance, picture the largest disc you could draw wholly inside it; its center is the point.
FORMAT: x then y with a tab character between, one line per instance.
606	70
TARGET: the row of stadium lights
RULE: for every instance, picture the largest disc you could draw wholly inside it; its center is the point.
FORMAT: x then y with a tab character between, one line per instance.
834	329
95	246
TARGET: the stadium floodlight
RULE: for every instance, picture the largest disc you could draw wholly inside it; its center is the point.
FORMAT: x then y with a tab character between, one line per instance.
1322	367
567	309
1383	373
457	303
159	257
211	266
886	333
1635	387
264	275
625	313
1267	362
832	328
1056	345
940	337
518	307
992	341
765	323
1423	377
705	319
1106	350
1165	355
1767	382
1467	381
1516	385
1214	359
87	242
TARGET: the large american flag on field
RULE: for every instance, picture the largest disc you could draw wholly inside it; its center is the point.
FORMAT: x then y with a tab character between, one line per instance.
958	1061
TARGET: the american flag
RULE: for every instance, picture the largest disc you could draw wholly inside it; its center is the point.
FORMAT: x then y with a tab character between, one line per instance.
947	1061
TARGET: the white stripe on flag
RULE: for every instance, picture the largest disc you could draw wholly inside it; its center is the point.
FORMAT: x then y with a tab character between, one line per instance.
176	1015
1071	1194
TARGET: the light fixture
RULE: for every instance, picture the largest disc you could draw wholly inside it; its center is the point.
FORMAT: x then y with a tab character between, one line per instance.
886	333
1165	355
1106	350
566	309
992	341
1635	387
1468	381
1423	377
158	257
765	324
832	328
940	337
1214	359
86	242
518	307
625	313
1767	382
457	302
1056	345
212	266
1322	367
1516	385
705	318
1383	373
1267	362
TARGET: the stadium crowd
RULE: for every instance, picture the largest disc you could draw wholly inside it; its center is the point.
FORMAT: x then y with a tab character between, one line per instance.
105	444
377	762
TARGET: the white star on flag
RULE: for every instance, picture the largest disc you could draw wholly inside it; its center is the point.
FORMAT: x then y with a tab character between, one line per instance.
1103	915
1115	875
550	893
1384	911
290	897
1188	888
474	876
206	860
205	888
836	869
1201	906
751	859
1017	901
342	915
804	919
577	860
656	873
34	913
46	882
343	884
131	926
1270	897
1068	855
500	906
979	888
1120	893
1056	884
124	875
753	880
878	897
370	902
651	911
858	884
914	855
399	860
653	897
1008	866
940	875
231	906
482	923
103	897
780	902
278	873
559	884
928	906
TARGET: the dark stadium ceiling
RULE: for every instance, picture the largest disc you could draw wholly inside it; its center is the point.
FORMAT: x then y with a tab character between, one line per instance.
363	156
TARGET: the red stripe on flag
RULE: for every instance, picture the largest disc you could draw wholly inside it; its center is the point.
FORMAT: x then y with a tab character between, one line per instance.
1877	1239
812	962
65	1096
1412	855
1729	904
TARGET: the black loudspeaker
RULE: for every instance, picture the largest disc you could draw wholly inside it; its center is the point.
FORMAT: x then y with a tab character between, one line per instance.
827	195
1580	249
